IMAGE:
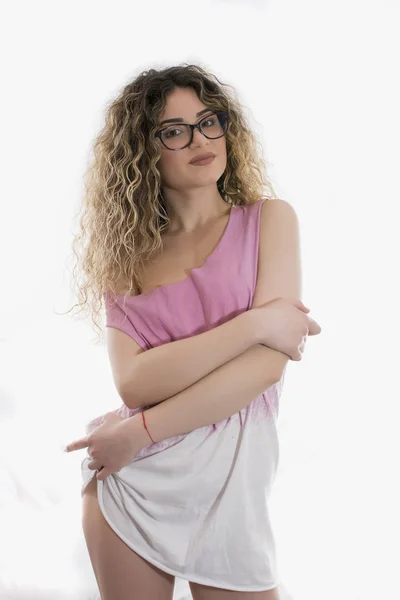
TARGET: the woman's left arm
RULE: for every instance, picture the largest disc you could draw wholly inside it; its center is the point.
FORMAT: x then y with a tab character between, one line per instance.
235	384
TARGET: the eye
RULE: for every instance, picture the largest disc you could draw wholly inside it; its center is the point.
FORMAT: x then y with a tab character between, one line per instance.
210	120
169	132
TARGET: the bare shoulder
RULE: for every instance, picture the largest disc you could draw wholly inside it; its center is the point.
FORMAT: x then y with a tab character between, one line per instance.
122	288
277	207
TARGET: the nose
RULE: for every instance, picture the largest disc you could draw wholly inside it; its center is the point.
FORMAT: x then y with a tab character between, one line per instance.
200	140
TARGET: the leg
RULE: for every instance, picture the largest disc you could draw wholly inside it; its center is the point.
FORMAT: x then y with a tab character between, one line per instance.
205	592
121	574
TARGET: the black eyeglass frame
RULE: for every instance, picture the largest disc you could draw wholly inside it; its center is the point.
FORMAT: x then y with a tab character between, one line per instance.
197	126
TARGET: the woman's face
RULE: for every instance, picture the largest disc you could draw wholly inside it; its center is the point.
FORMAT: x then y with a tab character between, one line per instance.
176	171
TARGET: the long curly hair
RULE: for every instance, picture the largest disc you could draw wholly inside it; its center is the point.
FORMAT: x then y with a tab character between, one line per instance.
123	213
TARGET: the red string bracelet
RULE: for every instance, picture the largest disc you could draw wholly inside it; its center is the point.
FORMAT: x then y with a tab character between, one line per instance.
144	423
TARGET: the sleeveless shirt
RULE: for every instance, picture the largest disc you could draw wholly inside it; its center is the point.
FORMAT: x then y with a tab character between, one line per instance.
197	505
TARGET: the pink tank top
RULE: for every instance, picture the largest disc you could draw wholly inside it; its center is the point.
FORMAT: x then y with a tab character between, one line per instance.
219	290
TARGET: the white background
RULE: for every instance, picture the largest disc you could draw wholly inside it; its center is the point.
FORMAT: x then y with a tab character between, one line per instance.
320	85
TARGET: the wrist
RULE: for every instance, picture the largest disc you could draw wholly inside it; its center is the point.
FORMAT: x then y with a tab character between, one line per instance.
138	430
252	327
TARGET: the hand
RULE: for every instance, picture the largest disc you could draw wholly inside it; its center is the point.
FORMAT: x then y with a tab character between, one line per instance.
112	445
284	326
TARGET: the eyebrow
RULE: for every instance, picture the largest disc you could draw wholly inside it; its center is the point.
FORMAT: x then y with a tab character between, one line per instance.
180	119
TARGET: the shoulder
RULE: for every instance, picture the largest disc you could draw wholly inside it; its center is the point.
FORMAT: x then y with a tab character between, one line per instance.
122	288
270	210
276	207
277	218
279	225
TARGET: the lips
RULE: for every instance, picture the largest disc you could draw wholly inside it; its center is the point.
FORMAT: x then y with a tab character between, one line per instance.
202	157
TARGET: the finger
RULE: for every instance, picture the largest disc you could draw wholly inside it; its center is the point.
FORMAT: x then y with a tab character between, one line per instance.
300	305
101	475
94	465
304	307
313	327
77	445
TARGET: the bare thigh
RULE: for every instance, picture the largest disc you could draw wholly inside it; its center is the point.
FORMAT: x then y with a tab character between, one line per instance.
121	574
206	592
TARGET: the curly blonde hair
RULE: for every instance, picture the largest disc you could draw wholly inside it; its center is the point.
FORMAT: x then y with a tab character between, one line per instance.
123	211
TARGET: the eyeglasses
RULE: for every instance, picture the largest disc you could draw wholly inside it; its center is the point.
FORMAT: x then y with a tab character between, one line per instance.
180	135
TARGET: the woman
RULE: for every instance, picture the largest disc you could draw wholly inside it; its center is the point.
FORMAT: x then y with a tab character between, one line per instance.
200	275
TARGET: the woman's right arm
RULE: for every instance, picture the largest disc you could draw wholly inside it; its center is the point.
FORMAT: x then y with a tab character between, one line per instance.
166	370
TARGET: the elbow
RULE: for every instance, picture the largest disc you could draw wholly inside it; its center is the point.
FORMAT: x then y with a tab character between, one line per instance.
130	389
278	375
280	366
128	398
273	364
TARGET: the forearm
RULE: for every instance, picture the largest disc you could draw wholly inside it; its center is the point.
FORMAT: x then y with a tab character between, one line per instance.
162	372
219	395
